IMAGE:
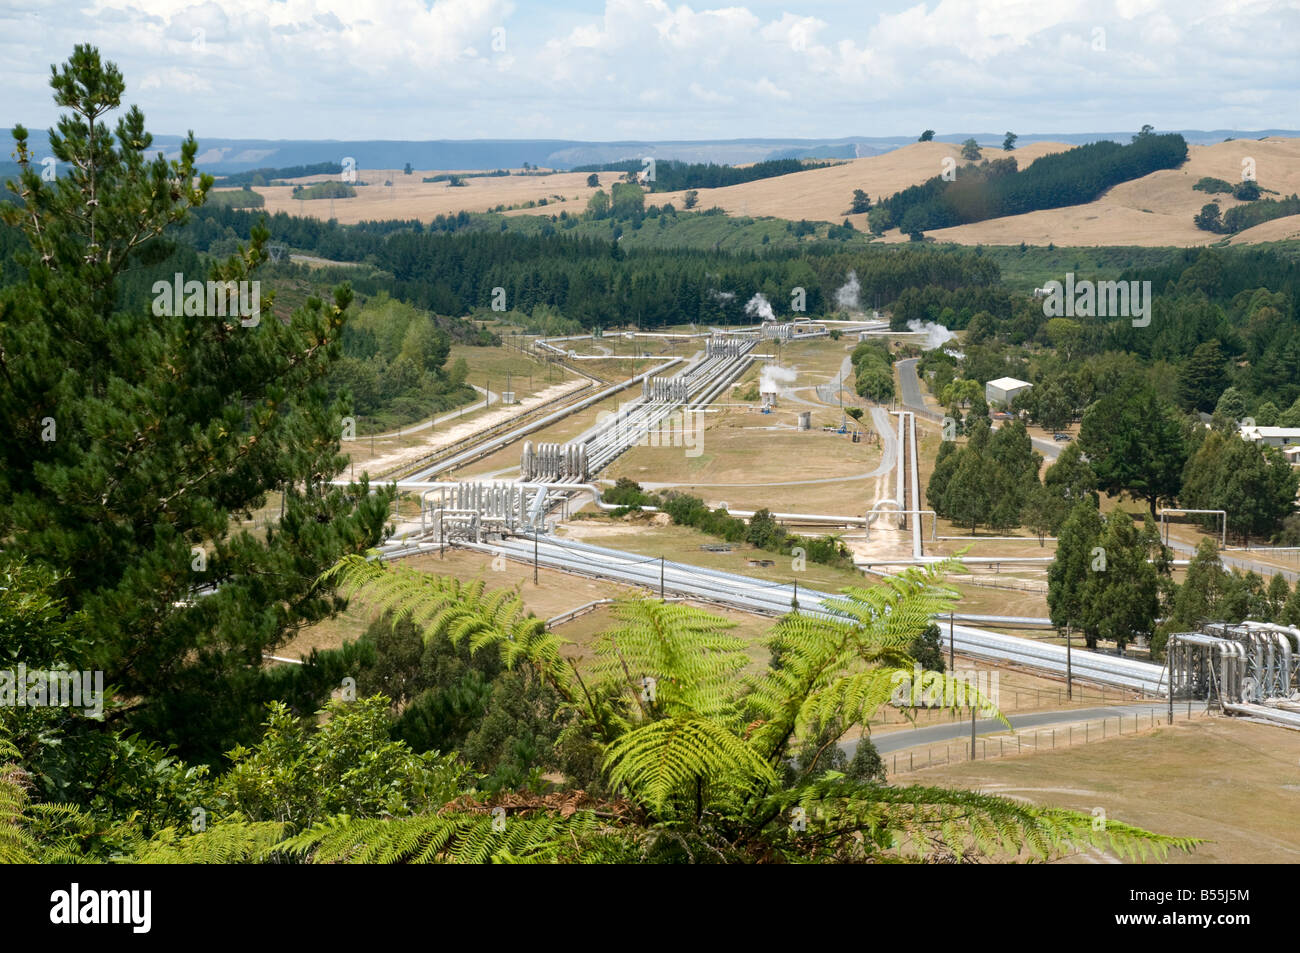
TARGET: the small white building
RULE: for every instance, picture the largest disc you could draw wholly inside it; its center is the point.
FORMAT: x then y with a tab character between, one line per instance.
1272	436
1004	390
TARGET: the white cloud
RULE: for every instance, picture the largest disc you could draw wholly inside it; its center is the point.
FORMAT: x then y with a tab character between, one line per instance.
652	69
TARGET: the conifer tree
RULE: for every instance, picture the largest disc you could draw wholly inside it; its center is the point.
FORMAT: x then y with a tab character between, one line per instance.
135	440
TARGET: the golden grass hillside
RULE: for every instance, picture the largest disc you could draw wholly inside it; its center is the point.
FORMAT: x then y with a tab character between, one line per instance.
824	194
1156	209
408	197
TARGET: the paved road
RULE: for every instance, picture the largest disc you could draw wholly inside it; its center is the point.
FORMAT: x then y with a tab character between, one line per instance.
913	400
937	734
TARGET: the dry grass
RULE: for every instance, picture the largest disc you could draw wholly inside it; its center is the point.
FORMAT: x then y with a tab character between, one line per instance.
1230	782
824	194
410	198
1156	209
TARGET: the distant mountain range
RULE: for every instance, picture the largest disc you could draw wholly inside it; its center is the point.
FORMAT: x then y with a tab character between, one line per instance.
237	155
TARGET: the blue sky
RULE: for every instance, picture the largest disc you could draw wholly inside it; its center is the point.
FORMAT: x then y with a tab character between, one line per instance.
647	69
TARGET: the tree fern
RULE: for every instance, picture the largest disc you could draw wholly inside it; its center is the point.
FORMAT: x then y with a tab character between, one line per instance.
227	841
446	608
449	838
672	756
693	661
846	820
34	833
704	753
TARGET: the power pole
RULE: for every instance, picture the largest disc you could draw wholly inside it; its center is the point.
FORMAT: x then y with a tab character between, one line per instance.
972	732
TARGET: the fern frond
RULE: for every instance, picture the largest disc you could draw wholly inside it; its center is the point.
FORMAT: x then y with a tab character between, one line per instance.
694	661
228	841
851	820
670	756
459	612
462	837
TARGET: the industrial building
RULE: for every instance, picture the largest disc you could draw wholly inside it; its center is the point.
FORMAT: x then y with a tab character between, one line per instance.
1004	390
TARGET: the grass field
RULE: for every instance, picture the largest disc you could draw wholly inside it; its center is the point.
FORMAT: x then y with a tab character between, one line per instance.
1228	781
1153	211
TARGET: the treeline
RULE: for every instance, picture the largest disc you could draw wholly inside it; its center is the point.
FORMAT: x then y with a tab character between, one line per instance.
761	530
450	176
997	188
988	481
1241	217
451	266
597	284
670	175
269	176
238	198
951	307
394	365
1136	438
1111	580
325	190
1220	318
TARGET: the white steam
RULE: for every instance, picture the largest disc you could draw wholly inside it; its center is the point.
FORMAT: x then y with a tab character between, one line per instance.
759	307
847	298
935	334
771	377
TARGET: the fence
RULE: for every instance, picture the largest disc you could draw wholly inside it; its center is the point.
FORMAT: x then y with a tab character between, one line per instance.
1032	740
1037	699
984	582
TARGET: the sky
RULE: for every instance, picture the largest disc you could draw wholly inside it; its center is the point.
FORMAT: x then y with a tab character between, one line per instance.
648	69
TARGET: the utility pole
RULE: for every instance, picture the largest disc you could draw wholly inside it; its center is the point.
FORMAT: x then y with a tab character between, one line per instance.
536	533
972	732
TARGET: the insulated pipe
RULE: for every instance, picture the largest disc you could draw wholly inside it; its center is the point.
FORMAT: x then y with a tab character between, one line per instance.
1284	634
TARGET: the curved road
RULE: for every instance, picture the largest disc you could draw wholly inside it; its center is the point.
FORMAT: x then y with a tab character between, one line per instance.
904	738
910	385
492	398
